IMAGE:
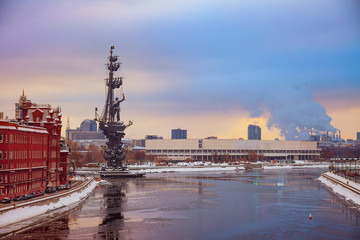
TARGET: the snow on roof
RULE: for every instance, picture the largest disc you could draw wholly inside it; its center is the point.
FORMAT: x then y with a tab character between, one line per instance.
17	127
27	129
8	127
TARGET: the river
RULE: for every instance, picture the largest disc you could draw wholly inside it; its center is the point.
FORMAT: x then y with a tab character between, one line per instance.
267	204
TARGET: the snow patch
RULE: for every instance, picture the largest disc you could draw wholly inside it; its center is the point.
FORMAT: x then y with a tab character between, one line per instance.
346	193
202	167
23	213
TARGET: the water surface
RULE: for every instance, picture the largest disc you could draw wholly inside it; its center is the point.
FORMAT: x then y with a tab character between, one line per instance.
270	204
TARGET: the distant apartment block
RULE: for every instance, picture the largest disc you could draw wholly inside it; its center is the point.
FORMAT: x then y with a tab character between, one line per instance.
178	134
150	137
358	136
82	135
87	131
140	143
88	125
254	132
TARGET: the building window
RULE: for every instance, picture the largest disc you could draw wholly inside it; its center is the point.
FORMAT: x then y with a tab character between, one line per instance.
1	179
1	137
1	155
200	143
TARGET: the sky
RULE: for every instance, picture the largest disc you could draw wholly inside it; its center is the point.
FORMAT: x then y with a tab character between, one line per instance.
211	67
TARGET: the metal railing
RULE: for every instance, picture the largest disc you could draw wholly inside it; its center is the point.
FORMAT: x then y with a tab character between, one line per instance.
347	168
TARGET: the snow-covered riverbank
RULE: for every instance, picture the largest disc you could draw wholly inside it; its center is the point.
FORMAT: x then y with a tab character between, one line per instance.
346	193
30	211
207	166
199	166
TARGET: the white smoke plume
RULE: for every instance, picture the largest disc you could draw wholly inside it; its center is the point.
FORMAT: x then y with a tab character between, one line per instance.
295	112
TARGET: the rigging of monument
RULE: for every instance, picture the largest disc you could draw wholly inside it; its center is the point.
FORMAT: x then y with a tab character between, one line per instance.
111	125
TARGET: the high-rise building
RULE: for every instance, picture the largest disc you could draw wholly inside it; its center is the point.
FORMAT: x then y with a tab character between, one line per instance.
254	132
358	136
178	134
88	125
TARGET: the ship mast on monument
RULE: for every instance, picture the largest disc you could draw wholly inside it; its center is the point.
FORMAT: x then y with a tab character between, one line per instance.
111	125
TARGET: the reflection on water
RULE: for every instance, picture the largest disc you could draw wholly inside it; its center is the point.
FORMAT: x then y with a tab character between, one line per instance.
347	209
114	198
271	204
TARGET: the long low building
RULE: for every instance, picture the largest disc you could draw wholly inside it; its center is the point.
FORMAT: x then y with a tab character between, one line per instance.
231	149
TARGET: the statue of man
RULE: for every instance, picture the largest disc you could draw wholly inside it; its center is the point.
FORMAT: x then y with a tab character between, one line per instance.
116	107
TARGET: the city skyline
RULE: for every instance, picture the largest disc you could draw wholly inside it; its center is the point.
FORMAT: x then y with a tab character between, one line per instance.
211	68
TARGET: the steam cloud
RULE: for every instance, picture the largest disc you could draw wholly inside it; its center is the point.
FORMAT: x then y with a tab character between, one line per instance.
295	112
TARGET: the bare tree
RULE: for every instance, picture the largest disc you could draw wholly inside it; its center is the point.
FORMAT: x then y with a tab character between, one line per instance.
75	155
253	157
94	155
140	156
326	154
130	158
162	160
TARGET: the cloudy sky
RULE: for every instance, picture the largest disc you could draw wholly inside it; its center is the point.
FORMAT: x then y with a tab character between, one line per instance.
211	67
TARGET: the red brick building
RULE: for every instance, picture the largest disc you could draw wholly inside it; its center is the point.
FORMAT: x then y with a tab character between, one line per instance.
31	157
64	164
